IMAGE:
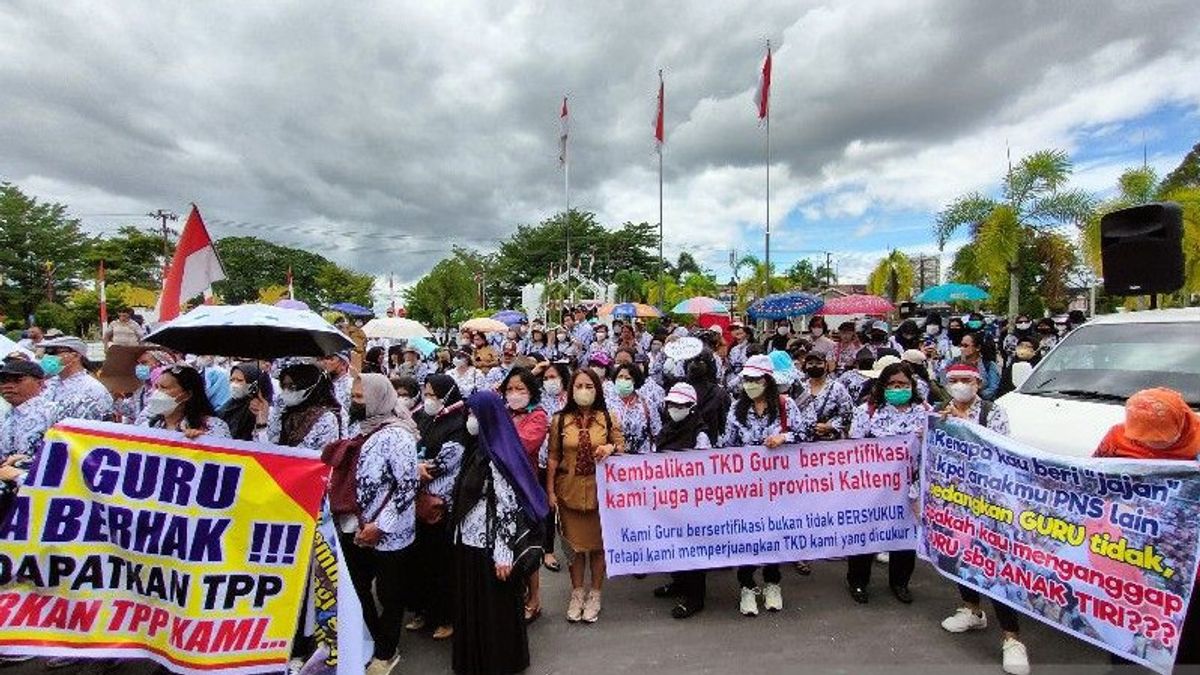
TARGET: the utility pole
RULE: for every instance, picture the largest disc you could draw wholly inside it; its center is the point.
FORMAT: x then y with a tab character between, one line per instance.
828	269
164	216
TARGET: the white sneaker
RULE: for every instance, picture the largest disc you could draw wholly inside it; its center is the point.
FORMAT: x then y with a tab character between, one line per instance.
381	667
964	620
295	665
882	558
1016	659
772	597
749	603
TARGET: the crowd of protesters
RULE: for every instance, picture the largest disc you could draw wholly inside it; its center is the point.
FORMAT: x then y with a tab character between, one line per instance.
476	464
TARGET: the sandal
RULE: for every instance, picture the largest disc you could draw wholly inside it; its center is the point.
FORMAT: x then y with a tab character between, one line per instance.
532	614
803	569
553	566
684	610
417	623
443	633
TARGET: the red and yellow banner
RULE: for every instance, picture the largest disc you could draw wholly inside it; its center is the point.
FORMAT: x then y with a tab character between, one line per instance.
129	542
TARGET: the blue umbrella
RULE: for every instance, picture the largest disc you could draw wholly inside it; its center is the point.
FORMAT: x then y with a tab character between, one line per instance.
953	293
422	345
785	306
509	317
352	309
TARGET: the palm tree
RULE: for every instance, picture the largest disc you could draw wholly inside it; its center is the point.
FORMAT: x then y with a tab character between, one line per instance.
630	286
1034	198
893	277
1139	186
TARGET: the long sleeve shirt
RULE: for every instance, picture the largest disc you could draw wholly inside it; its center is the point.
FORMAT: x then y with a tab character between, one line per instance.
387	485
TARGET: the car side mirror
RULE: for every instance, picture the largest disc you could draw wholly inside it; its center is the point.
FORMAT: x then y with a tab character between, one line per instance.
1021	370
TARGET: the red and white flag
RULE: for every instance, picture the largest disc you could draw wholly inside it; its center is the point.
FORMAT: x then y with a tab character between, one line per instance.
762	96
193	269
564	120
290	285
103	297
659	134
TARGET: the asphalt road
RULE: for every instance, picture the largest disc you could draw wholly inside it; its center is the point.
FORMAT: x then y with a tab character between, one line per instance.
821	630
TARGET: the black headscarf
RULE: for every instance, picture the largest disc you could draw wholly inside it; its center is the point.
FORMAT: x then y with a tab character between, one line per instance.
712	401
236	411
908	335
448	425
681	435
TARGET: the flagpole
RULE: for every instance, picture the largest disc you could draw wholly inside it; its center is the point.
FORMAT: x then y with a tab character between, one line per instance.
768	256
662	286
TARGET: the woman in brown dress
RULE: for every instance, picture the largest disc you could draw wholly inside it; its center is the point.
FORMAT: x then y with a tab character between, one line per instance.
582	435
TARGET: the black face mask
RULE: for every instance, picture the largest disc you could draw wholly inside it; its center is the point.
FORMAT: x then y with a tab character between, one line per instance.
696	371
815	372
358	412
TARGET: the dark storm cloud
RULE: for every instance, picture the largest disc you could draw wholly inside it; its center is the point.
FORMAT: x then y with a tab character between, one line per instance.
381	133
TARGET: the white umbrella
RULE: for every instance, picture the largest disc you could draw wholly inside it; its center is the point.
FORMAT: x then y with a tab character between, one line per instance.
485	325
251	331
394	328
8	347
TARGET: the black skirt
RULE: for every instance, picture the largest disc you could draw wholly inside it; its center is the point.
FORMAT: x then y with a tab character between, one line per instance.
489	617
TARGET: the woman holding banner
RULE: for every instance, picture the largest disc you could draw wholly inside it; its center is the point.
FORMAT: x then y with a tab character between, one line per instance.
963	383
180	404
760	416
893	408
581	436
1159	424
684	429
496	496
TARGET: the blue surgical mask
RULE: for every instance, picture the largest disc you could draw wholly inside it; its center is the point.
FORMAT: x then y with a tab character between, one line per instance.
142	372
51	364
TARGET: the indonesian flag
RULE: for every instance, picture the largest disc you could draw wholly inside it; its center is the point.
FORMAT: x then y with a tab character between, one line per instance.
762	96
564	120
659	135
103	297
193	269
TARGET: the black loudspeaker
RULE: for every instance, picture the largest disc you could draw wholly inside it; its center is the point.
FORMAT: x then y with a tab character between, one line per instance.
1142	249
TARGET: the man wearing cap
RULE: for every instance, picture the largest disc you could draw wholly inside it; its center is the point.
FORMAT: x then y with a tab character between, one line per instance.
70	384
22	386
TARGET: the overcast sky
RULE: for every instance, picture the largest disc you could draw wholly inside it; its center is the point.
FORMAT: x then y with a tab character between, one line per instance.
381	133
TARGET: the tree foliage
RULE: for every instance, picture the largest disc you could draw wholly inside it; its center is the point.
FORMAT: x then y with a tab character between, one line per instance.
252	264
133	256
1034	199
41	251
893	277
446	296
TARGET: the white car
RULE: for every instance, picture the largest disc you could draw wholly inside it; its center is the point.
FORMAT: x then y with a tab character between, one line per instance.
1078	390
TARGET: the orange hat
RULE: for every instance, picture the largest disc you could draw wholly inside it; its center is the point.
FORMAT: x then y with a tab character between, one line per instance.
1156	417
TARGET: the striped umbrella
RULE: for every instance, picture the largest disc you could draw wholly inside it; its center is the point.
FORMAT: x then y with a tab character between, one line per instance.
629	310
701	305
785	306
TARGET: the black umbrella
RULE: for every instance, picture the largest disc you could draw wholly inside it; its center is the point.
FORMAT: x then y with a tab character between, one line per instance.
250	331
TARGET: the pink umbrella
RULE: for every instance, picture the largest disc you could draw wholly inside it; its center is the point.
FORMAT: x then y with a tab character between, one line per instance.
857	304
287	303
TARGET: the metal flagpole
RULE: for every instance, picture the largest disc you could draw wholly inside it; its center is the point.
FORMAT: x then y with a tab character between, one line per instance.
767	95
662	286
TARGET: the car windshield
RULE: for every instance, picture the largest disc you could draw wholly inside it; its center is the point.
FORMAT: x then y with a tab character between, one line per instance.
1110	362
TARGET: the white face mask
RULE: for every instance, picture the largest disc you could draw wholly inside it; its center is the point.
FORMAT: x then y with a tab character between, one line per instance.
584	398
552	387
817	331
782	330
754	389
679	414
933	329
433	406
160	403
239	390
962	392
460	362
405	402
291	398
472	425
517	400
1024	325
